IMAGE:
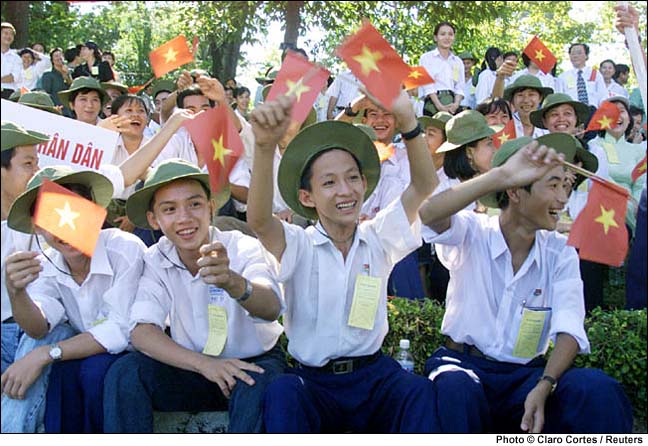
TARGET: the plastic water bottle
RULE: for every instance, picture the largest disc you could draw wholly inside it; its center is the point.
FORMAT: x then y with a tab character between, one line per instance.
404	357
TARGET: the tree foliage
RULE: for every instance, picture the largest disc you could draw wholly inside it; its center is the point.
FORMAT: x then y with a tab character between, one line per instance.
132	29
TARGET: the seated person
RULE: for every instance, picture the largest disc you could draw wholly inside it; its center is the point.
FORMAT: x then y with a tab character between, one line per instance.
222	302
514	286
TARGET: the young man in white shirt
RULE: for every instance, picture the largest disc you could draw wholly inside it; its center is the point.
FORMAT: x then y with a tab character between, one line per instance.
221	301
11	62
514	285
342	382
93	294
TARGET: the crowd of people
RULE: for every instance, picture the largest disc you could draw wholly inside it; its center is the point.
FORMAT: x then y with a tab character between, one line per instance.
183	302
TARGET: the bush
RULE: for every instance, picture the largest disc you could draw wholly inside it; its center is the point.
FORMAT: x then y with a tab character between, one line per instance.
617	338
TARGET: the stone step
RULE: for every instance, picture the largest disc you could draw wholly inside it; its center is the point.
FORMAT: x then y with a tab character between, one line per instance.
190	422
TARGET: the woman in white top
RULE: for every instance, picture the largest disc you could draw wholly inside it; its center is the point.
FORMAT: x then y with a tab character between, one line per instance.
608	70
492	61
32	68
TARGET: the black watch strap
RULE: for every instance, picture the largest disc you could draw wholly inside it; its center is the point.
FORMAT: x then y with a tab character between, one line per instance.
551	380
412	133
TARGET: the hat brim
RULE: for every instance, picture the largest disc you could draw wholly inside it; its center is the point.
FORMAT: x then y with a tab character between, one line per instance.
139	203
64	95
582	113
510	91
448	146
12	138
428	121
123	89
20	218
315	139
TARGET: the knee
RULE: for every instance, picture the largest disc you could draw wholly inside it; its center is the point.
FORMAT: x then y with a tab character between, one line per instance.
122	374
591	384
284	389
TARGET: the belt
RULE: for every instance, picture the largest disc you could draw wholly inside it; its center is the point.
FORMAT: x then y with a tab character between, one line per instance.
466	349
450	92
342	366
9	320
340	108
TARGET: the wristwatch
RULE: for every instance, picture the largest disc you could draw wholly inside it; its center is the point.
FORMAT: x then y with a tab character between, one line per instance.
551	380
248	292
55	352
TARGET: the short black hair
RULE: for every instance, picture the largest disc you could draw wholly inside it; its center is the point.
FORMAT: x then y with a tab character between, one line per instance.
70	54
492	105
584	45
307	175
241	90
457	165
634	111
437	28
620	68
194	90
124	99
7	156
510	53
51	53
503	199
76	93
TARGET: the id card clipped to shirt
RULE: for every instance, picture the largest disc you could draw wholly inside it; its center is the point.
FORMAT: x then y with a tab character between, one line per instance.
532	327
217	316
366	296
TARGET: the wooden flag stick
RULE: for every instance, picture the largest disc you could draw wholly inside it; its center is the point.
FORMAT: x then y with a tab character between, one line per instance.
588	174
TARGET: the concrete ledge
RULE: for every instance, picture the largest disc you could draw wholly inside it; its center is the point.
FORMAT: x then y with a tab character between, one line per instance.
190	422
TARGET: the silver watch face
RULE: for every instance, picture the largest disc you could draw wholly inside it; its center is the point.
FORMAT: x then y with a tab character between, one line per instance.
55	353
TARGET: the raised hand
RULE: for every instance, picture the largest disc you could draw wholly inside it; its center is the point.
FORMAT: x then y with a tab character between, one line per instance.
270	121
22	268
529	164
214	265
212	88
116	123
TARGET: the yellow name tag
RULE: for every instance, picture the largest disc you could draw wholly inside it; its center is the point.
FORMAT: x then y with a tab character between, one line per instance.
571	82
610	151
365	302
531	327
99	321
217	330
455	73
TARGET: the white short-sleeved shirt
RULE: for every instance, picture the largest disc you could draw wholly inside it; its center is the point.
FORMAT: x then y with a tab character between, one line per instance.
448	74
12	241
101	304
578	198
596	90
519	128
278	203
11	64
485	84
344	88
616	89
388	189
547	80
319	284
397	165
168	291
121	155
485	298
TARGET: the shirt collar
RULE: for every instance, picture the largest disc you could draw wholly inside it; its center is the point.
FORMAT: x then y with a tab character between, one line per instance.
169	253
498	244
99	264
319	237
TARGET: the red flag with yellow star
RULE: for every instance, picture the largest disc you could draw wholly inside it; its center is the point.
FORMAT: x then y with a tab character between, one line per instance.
599	231
375	63
640	169
302	79
69	216
540	55
169	56
417	77
506	134
605	117
218	142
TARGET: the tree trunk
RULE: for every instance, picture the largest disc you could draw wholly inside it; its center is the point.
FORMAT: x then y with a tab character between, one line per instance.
17	13
293	22
225	57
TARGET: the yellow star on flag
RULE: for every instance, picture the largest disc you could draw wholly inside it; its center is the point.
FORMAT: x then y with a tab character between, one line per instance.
642	168
220	151
604	122
170	55
67	216
415	74
503	138
540	55
367	60
297	88
606	219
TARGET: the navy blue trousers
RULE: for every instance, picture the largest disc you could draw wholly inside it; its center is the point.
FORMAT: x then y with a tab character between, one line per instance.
636	294
405	279
488	396
137	385
75	395
378	398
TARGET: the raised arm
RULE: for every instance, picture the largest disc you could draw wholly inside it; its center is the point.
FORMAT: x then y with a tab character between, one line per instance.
529	164
137	164
269	122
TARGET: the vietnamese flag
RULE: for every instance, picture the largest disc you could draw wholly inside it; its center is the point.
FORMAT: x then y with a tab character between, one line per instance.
417	77
375	63
640	169
506	134
69	216
217	140
169	56
540	55
302	79
384	151
599	231
605	117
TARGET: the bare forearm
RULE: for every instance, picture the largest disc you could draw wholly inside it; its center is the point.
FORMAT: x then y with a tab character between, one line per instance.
331	107
28	315
562	357
80	346
151	341
262	302
240	193
7	78
136	165
498	87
